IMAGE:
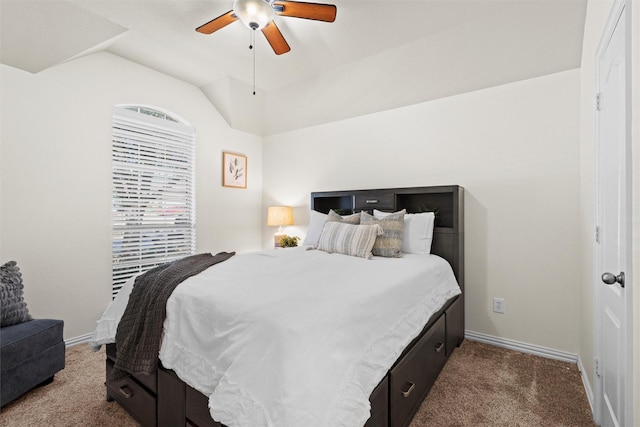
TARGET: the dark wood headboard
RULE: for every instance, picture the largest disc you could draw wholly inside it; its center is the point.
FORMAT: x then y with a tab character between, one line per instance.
446	201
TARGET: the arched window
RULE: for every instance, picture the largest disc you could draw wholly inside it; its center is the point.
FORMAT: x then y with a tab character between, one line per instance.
153	203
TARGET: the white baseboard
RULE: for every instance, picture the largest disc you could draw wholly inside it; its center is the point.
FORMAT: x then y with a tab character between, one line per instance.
77	340
587	385
522	347
538	351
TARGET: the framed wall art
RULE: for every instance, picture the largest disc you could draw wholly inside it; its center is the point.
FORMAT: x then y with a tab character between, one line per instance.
234	170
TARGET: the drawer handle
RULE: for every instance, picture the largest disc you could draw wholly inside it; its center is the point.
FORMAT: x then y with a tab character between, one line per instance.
409	390
371	201
439	347
126	391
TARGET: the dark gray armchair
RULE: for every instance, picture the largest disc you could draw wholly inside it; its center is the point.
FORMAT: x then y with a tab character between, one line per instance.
31	350
31	354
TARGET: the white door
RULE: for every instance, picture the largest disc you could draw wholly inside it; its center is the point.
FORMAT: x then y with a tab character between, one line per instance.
613	233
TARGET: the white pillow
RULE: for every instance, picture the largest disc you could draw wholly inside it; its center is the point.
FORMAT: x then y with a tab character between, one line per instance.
315	228
417	233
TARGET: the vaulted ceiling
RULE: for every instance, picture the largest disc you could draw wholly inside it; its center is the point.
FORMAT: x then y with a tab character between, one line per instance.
377	55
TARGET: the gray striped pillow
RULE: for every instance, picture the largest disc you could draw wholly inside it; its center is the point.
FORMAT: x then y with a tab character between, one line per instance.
390	243
348	239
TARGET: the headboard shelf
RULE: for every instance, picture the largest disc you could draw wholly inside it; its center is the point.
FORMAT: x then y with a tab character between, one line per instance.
324	202
445	200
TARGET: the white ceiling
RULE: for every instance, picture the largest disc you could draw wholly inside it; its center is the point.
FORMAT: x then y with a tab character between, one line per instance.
377	54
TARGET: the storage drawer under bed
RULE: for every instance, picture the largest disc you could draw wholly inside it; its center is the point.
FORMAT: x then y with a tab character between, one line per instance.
149	381
412	378
129	393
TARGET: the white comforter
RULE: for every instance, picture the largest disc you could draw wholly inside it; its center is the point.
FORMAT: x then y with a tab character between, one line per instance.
293	338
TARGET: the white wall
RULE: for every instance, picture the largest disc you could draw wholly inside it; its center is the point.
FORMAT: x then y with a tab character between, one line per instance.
514	148
56	178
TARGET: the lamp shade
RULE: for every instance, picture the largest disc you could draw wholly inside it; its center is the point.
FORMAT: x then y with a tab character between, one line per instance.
279	216
255	14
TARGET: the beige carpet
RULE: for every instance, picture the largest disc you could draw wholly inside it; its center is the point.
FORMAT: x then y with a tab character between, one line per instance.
481	385
76	397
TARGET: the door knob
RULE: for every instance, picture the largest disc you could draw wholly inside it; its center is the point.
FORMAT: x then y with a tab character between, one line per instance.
610	279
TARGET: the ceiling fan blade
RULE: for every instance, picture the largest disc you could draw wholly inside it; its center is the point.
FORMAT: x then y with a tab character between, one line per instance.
275	38
296	9
220	22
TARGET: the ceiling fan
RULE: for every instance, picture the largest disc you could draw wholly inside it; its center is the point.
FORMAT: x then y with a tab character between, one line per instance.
258	15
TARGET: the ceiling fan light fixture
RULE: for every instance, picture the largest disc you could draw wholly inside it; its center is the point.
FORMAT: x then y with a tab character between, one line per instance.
255	14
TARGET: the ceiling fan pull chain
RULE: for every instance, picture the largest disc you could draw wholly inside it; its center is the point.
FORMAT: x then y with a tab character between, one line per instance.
253	42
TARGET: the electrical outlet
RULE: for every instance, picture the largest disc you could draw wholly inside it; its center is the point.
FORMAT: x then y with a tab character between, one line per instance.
498	305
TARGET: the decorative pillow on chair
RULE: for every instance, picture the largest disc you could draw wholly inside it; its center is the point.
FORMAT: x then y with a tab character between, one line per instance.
348	239
13	309
389	244
348	219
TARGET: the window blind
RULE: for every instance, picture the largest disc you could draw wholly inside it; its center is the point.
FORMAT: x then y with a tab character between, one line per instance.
153	205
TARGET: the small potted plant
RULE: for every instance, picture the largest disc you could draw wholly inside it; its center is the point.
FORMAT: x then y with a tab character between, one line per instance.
289	241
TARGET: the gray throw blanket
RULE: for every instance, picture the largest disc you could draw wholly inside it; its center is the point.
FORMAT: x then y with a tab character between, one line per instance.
140	329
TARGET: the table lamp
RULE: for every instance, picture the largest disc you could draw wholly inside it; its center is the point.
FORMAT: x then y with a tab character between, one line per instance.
279	215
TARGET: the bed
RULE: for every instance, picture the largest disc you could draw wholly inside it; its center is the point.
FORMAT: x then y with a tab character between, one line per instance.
404	364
